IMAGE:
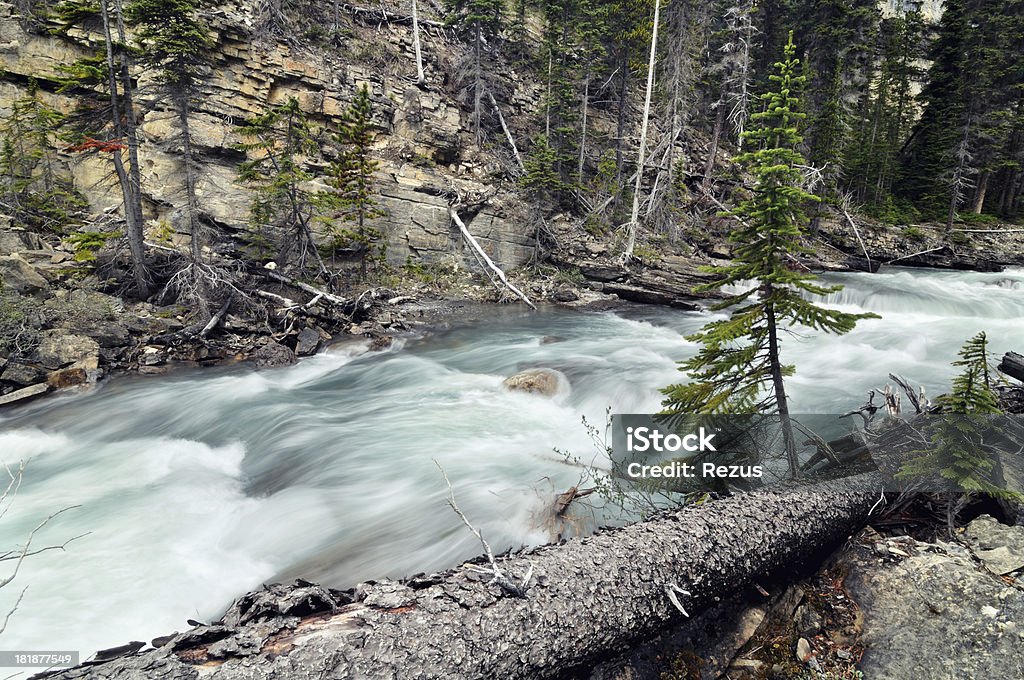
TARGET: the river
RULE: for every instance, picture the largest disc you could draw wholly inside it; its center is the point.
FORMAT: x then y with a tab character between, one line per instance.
201	485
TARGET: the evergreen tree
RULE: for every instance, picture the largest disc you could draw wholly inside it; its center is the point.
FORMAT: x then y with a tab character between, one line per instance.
481	21
739	367
31	190
962	452
175	43
351	176
279	142
111	129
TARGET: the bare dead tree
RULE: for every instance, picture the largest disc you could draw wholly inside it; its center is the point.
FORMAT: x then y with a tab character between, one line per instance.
17	555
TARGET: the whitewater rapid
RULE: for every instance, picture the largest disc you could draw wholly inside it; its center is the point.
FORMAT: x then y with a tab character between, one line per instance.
196	487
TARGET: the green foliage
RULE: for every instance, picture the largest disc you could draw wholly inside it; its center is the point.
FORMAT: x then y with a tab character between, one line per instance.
174	41
278	143
959	453
87	244
914	233
737	361
31	189
541	178
351	177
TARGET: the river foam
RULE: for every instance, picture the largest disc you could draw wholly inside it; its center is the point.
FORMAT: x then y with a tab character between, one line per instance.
199	486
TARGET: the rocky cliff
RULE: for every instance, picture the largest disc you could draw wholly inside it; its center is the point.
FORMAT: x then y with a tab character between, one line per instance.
426	154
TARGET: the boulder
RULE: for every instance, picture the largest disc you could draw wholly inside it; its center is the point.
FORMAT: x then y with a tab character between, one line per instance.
25	394
20	277
1000	547
58	348
307	342
67	377
565	293
22	374
543	381
931	612
272	354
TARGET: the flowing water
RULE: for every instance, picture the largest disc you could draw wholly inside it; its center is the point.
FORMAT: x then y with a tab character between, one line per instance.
199	486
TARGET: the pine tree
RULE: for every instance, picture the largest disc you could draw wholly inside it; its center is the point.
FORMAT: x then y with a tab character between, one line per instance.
279	142
961	435
351	176
31	190
482	22
175	44
739	367
109	72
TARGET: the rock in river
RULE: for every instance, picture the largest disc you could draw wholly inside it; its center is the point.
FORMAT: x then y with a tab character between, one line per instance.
544	381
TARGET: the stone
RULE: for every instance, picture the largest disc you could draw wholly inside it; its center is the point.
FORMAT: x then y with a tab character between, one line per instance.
544	381
22	374
58	348
307	342
565	293
1000	547
808	620
272	354
935	614
25	394
152	356
803	650
67	377
18	276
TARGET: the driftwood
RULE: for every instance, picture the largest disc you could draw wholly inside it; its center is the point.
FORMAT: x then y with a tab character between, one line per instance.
589	597
484	258
1013	365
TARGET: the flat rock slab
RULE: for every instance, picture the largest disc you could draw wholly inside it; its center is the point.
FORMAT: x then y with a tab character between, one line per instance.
1000	547
931	612
24	394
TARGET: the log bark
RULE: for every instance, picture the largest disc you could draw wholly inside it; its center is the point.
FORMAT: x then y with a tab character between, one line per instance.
1013	365
589	597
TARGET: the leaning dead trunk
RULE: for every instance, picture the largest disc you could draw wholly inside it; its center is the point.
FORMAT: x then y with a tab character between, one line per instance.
635	215
589	597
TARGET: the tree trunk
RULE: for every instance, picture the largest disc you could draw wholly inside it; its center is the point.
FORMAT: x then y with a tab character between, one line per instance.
635	214
979	193
583	130
420	78
191	203
477	87
590	597
129	188
709	167
779	387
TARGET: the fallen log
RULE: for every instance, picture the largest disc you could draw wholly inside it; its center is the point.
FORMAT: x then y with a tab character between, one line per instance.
588	597
1013	365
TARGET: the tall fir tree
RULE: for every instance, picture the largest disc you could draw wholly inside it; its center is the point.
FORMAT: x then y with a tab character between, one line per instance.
174	43
279	143
739	368
351	176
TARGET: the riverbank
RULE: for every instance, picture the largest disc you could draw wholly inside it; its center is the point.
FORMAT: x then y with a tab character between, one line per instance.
64	328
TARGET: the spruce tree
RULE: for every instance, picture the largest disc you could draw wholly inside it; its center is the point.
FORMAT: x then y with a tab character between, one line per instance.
175	44
110	127
481	21
351	176
739	368
959	452
279	143
31	189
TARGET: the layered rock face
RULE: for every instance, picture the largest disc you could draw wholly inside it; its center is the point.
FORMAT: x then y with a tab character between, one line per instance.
423	141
